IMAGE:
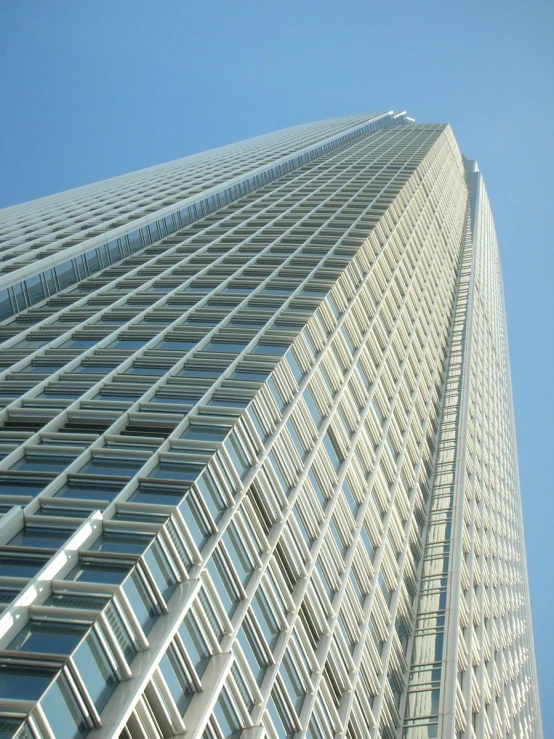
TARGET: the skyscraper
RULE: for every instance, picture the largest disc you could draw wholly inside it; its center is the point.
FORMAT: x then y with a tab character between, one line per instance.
258	470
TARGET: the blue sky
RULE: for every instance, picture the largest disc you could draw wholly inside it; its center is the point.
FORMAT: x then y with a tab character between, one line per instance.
94	89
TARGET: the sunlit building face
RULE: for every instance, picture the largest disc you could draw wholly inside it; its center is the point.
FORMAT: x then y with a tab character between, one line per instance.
258	474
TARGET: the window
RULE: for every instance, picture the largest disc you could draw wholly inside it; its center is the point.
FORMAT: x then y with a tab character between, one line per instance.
40	462
300	519
223	582
48	637
196	645
160	570
196	520
317	489
113	465
296	440
280	713
13	727
370	549
205	432
292	682
22	566
39	536
232	347
77	599
312	407
121	542
295	367
314	729
63	713
211	495
95	670
226	714
176	680
210	611
266	618
246	374
354	507
170	470
238	553
272	457
253	650
85	489
157	494
24	683
98	572
253	414
140	602
238	456
121	343
243	686
277	396
24	483
332	448
121	632
137	370
272	349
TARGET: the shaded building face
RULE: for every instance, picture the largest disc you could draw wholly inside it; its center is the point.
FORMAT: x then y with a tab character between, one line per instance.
258	465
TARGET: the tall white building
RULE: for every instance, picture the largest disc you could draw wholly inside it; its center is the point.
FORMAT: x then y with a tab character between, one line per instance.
258	474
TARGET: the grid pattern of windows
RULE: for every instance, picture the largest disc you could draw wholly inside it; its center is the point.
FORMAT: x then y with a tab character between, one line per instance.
69	243
228	458
473	671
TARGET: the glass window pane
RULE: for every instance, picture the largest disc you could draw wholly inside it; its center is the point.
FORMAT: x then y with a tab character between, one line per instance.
176	680
226	715
195	644
79	490
35	536
266	619
211	495
140	602
174	471
223	584
195	522
21	567
49	638
24	683
160	570
293	685
95	670
76	599
332	450
12	728
238	456
112	466
238	554
62	712
121	632
256	660
280	719
122	542
92	572
44	462
312	407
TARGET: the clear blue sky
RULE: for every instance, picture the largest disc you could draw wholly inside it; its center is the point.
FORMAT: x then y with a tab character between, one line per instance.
89	90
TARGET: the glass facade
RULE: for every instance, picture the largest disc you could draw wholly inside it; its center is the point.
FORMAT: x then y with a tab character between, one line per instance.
258	474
